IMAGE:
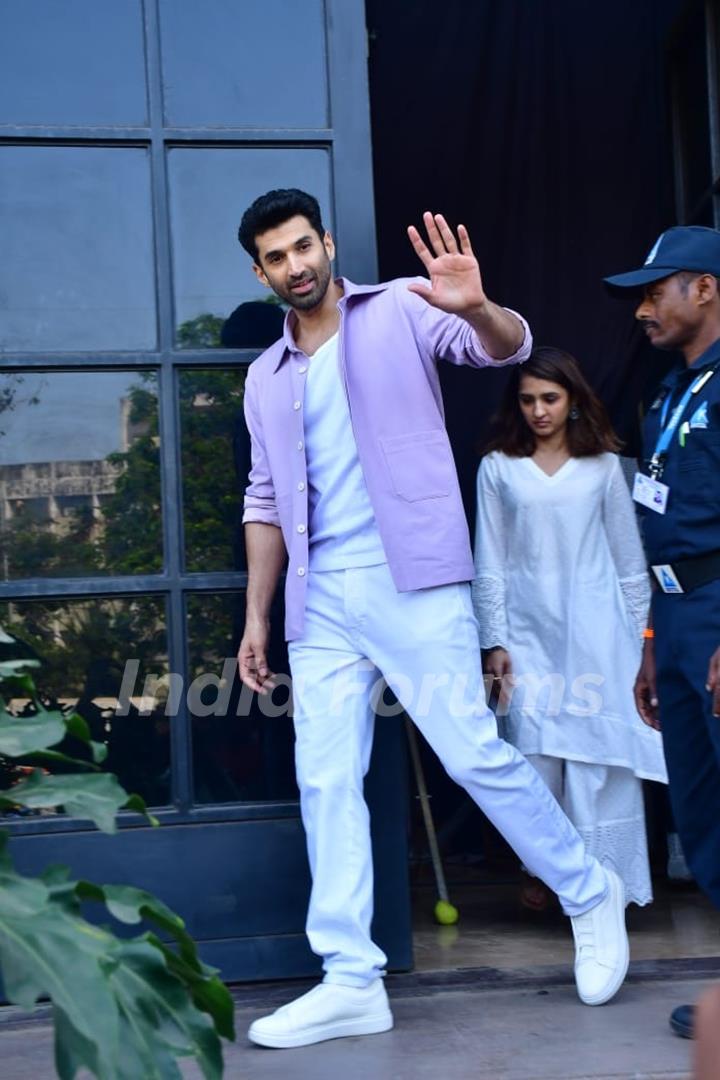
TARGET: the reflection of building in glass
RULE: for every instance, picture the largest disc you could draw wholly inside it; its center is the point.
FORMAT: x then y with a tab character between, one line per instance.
56	498
49	492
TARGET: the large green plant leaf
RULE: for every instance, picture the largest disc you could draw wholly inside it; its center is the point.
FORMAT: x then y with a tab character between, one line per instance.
97	797
45	949
120	1009
21	735
130	905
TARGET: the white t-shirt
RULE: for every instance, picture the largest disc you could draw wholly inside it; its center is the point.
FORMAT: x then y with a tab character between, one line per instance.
342	529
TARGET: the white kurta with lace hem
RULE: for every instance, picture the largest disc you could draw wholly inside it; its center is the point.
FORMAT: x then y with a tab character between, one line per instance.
561	583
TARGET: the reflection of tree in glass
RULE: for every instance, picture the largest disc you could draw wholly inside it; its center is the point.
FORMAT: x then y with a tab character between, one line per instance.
76	637
131	538
9	395
205	331
209	403
202	332
28	547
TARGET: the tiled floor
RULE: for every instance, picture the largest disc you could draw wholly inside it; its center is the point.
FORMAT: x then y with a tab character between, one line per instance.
495	931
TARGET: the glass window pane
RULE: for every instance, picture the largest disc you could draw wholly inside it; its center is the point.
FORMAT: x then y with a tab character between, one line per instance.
215	454
79	474
209	192
107	660
243	746
77	270
72	63
265	60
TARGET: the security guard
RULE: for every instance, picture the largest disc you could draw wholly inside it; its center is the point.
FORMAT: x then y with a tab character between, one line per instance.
678	686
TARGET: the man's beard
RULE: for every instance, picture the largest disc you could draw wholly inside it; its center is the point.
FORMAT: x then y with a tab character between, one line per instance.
316	295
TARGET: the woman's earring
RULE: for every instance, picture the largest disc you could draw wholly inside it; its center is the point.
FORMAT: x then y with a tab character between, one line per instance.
574	413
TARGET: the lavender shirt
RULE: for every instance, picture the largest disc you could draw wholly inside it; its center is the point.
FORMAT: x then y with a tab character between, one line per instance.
390	342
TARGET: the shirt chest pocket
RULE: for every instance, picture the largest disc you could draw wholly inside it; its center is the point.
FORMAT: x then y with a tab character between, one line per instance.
420	464
701	453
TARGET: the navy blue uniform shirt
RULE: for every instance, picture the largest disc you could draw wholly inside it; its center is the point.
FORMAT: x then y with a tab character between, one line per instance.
691	524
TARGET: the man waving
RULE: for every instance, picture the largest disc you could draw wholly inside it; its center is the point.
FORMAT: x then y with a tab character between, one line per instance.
353	481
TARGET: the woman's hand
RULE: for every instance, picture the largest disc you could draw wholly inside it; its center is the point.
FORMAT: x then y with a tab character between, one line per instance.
498	664
645	689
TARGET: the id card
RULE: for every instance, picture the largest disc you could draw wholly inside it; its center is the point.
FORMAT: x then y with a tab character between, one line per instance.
667	579
650	493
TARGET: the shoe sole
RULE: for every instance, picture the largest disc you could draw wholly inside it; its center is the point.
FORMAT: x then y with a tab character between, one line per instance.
340	1029
614	986
685	1031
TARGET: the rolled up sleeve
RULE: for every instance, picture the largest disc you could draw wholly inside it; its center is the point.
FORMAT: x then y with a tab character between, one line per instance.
259	503
519	357
448	337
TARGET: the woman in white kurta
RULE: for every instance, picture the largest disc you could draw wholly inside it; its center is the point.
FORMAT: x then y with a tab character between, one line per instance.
561	595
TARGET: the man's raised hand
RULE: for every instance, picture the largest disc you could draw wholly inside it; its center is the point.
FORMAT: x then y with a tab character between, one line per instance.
455	281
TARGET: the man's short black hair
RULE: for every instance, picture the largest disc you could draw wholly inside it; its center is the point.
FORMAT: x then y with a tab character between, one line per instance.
272	209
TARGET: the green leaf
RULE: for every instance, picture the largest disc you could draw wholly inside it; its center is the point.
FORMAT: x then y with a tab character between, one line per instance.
77	726
132	906
14	685
21	735
20	896
97	797
44	949
99	751
73	1050
209	993
55	757
120	1010
10	668
159	1013
137	804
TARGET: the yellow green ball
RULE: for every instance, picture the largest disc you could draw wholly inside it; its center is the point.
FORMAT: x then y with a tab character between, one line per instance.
445	913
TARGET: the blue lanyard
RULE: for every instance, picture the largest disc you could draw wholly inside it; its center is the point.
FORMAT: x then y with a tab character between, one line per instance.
668	428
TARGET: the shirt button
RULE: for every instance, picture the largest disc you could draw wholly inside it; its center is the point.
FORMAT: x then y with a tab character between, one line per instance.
301	486
302	369
301	445
297	405
301	571
301	528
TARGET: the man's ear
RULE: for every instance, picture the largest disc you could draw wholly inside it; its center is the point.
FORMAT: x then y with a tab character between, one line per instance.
706	288
260	275
329	245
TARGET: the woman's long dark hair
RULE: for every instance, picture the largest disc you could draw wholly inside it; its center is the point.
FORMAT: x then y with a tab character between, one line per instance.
591	433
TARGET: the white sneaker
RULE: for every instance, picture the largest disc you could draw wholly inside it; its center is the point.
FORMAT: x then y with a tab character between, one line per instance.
602	953
327	1011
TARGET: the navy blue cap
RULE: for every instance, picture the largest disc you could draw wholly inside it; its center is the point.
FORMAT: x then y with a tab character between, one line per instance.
684	247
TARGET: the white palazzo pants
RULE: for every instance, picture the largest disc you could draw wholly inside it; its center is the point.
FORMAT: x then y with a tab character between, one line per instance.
605	804
425	644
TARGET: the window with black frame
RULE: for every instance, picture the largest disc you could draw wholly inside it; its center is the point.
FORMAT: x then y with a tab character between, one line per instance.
129	315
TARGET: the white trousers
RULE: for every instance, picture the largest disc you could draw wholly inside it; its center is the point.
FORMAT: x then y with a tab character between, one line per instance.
425	644
605	804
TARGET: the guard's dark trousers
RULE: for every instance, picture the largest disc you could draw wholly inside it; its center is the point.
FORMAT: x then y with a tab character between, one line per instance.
687	633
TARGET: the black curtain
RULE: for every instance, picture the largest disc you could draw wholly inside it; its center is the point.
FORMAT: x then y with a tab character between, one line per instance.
543	125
